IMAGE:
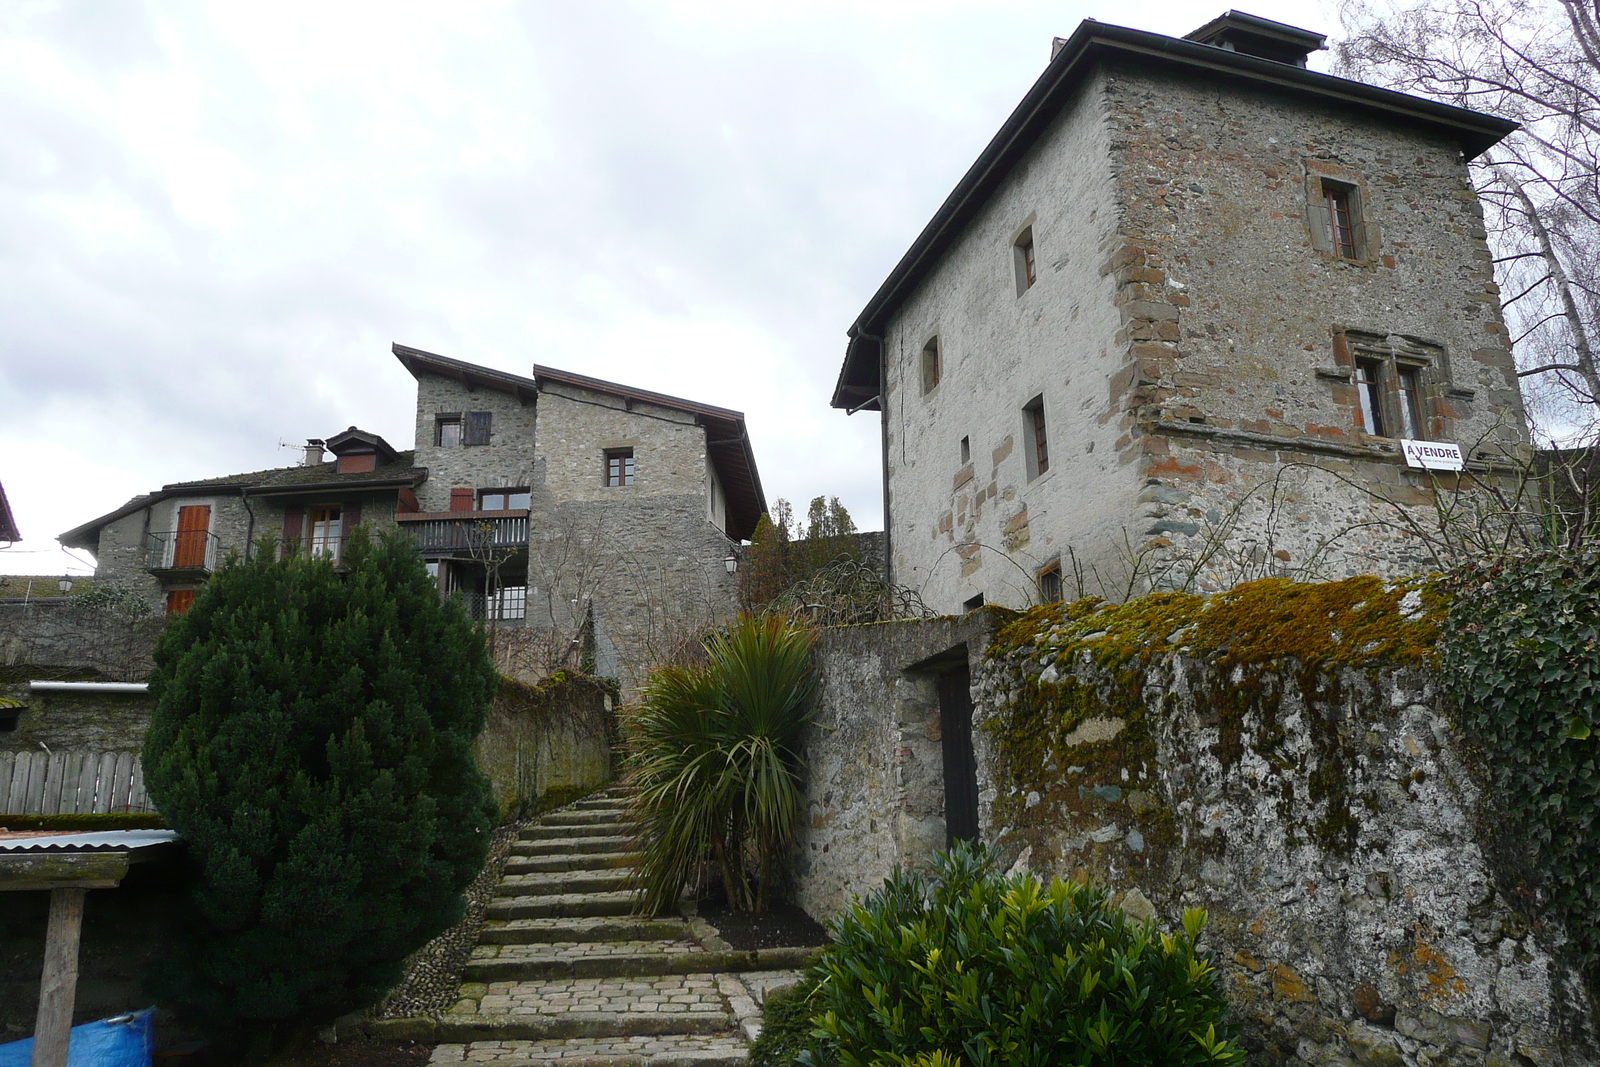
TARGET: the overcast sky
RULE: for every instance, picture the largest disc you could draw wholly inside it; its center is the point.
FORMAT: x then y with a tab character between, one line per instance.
214	218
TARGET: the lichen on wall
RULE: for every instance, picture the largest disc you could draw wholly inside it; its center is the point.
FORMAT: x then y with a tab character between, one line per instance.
545	744
1276	755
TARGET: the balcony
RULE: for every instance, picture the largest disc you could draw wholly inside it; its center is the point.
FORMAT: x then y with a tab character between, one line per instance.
181	552
437	533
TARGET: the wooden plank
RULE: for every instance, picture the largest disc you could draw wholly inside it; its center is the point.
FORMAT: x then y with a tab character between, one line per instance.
58	986
105	788
32	871
55	767
91	764
71	772
138	799
19	783
7	759
33	803
122	781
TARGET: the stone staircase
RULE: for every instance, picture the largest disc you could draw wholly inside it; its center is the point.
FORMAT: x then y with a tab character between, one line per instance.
564	973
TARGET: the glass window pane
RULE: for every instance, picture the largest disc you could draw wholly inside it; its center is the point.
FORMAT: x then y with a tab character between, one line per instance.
1410	402
517	500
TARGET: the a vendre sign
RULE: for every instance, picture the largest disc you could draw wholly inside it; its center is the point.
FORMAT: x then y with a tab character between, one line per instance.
1432	455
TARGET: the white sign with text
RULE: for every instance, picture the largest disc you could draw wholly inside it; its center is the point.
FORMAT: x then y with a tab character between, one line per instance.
1432	455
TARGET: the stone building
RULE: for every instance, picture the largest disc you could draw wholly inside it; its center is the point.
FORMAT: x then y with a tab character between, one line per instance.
585	522
1174	324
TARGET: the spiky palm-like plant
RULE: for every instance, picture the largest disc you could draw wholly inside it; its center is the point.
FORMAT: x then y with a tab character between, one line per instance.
714	752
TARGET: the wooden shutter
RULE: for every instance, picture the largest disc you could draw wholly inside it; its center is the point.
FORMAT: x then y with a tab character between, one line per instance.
1317	216
461	500
180	601
294	524
194	523
475	428
350	518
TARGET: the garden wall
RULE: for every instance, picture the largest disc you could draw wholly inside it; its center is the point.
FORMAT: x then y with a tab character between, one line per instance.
1276	755
544	744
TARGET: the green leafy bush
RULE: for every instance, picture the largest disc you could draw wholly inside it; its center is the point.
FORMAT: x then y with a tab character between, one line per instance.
312	742
786	1024
714	752
1520	665
983	969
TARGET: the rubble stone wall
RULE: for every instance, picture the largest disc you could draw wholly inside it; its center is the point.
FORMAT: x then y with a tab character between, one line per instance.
1327	818
542	745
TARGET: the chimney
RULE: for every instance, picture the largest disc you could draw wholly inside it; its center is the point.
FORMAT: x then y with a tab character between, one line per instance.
313	456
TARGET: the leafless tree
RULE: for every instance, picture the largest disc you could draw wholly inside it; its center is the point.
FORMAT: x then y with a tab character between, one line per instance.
1538	62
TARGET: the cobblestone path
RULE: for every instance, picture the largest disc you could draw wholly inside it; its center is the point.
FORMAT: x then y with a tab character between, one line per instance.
565	973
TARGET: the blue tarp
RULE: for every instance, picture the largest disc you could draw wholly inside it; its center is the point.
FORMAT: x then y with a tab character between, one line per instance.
124	1041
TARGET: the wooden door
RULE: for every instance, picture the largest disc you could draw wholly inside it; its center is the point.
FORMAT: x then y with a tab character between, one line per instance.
194	524
960	768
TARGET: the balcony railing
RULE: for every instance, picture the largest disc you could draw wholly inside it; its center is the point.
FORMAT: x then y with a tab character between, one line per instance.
467	534
510	604
181	550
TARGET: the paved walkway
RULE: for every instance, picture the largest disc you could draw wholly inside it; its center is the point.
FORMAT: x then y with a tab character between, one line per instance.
564	973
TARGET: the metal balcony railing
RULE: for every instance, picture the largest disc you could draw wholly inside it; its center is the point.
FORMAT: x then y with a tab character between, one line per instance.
510	604
462	535
181	550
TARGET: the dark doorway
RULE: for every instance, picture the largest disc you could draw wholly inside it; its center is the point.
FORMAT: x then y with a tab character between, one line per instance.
960	769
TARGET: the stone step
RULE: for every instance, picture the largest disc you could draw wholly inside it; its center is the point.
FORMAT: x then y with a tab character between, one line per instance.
563	906
584	817
590	861
468	1027
603	802
563	883
614	833
525	963
569	846
668	1050
549	930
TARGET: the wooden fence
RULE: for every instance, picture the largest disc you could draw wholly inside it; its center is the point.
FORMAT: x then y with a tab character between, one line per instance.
65	783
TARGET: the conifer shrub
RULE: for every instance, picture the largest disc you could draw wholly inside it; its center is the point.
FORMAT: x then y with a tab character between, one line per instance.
973	967
312	743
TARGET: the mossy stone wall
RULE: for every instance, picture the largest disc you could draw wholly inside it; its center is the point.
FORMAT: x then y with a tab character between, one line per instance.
543	744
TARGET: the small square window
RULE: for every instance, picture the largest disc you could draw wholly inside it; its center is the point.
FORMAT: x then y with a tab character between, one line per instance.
1022	254
447	431
1036	436
973	603
619	466
1050	584
966	451
1338	224
931	367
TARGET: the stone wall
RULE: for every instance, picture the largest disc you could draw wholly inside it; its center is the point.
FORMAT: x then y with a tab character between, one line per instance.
77	721
101	641
1320	808
545	744
506	462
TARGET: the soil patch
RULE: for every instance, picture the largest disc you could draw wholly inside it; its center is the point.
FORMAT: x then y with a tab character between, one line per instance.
360	1052
785	926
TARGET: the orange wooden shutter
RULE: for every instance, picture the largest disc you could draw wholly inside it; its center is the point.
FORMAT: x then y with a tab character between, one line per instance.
294	522
180	601
461	500
194	523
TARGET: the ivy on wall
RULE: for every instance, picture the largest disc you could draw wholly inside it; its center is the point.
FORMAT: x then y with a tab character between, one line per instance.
1520	666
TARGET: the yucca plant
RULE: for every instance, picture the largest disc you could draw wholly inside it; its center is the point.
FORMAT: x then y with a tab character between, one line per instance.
714	754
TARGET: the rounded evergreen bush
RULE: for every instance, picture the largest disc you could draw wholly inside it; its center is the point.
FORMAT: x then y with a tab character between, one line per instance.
312	743
977	968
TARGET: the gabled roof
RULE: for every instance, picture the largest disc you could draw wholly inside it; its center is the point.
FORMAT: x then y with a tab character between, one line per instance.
360	442
727	442
278	481
8	524
1094	43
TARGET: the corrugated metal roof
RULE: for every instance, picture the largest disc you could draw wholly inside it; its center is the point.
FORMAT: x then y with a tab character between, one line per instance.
102	841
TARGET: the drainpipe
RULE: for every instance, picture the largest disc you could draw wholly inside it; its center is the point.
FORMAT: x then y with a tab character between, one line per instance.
250	528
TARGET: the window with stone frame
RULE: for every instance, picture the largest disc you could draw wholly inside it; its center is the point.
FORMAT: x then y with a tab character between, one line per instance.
1050	587
447	430
619	467
1023	257
1036	437
1396	381
1336	214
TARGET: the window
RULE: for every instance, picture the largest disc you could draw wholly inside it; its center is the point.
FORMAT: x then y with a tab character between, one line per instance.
509	602
966	451
1334	213
1022	254
973	603
503	499
447	431
1369	373
619	466
325	532
1392	376
1036	436
1341	222
1050	584
930	365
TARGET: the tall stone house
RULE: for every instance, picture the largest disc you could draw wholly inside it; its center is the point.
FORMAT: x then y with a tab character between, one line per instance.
585	522
1174	324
